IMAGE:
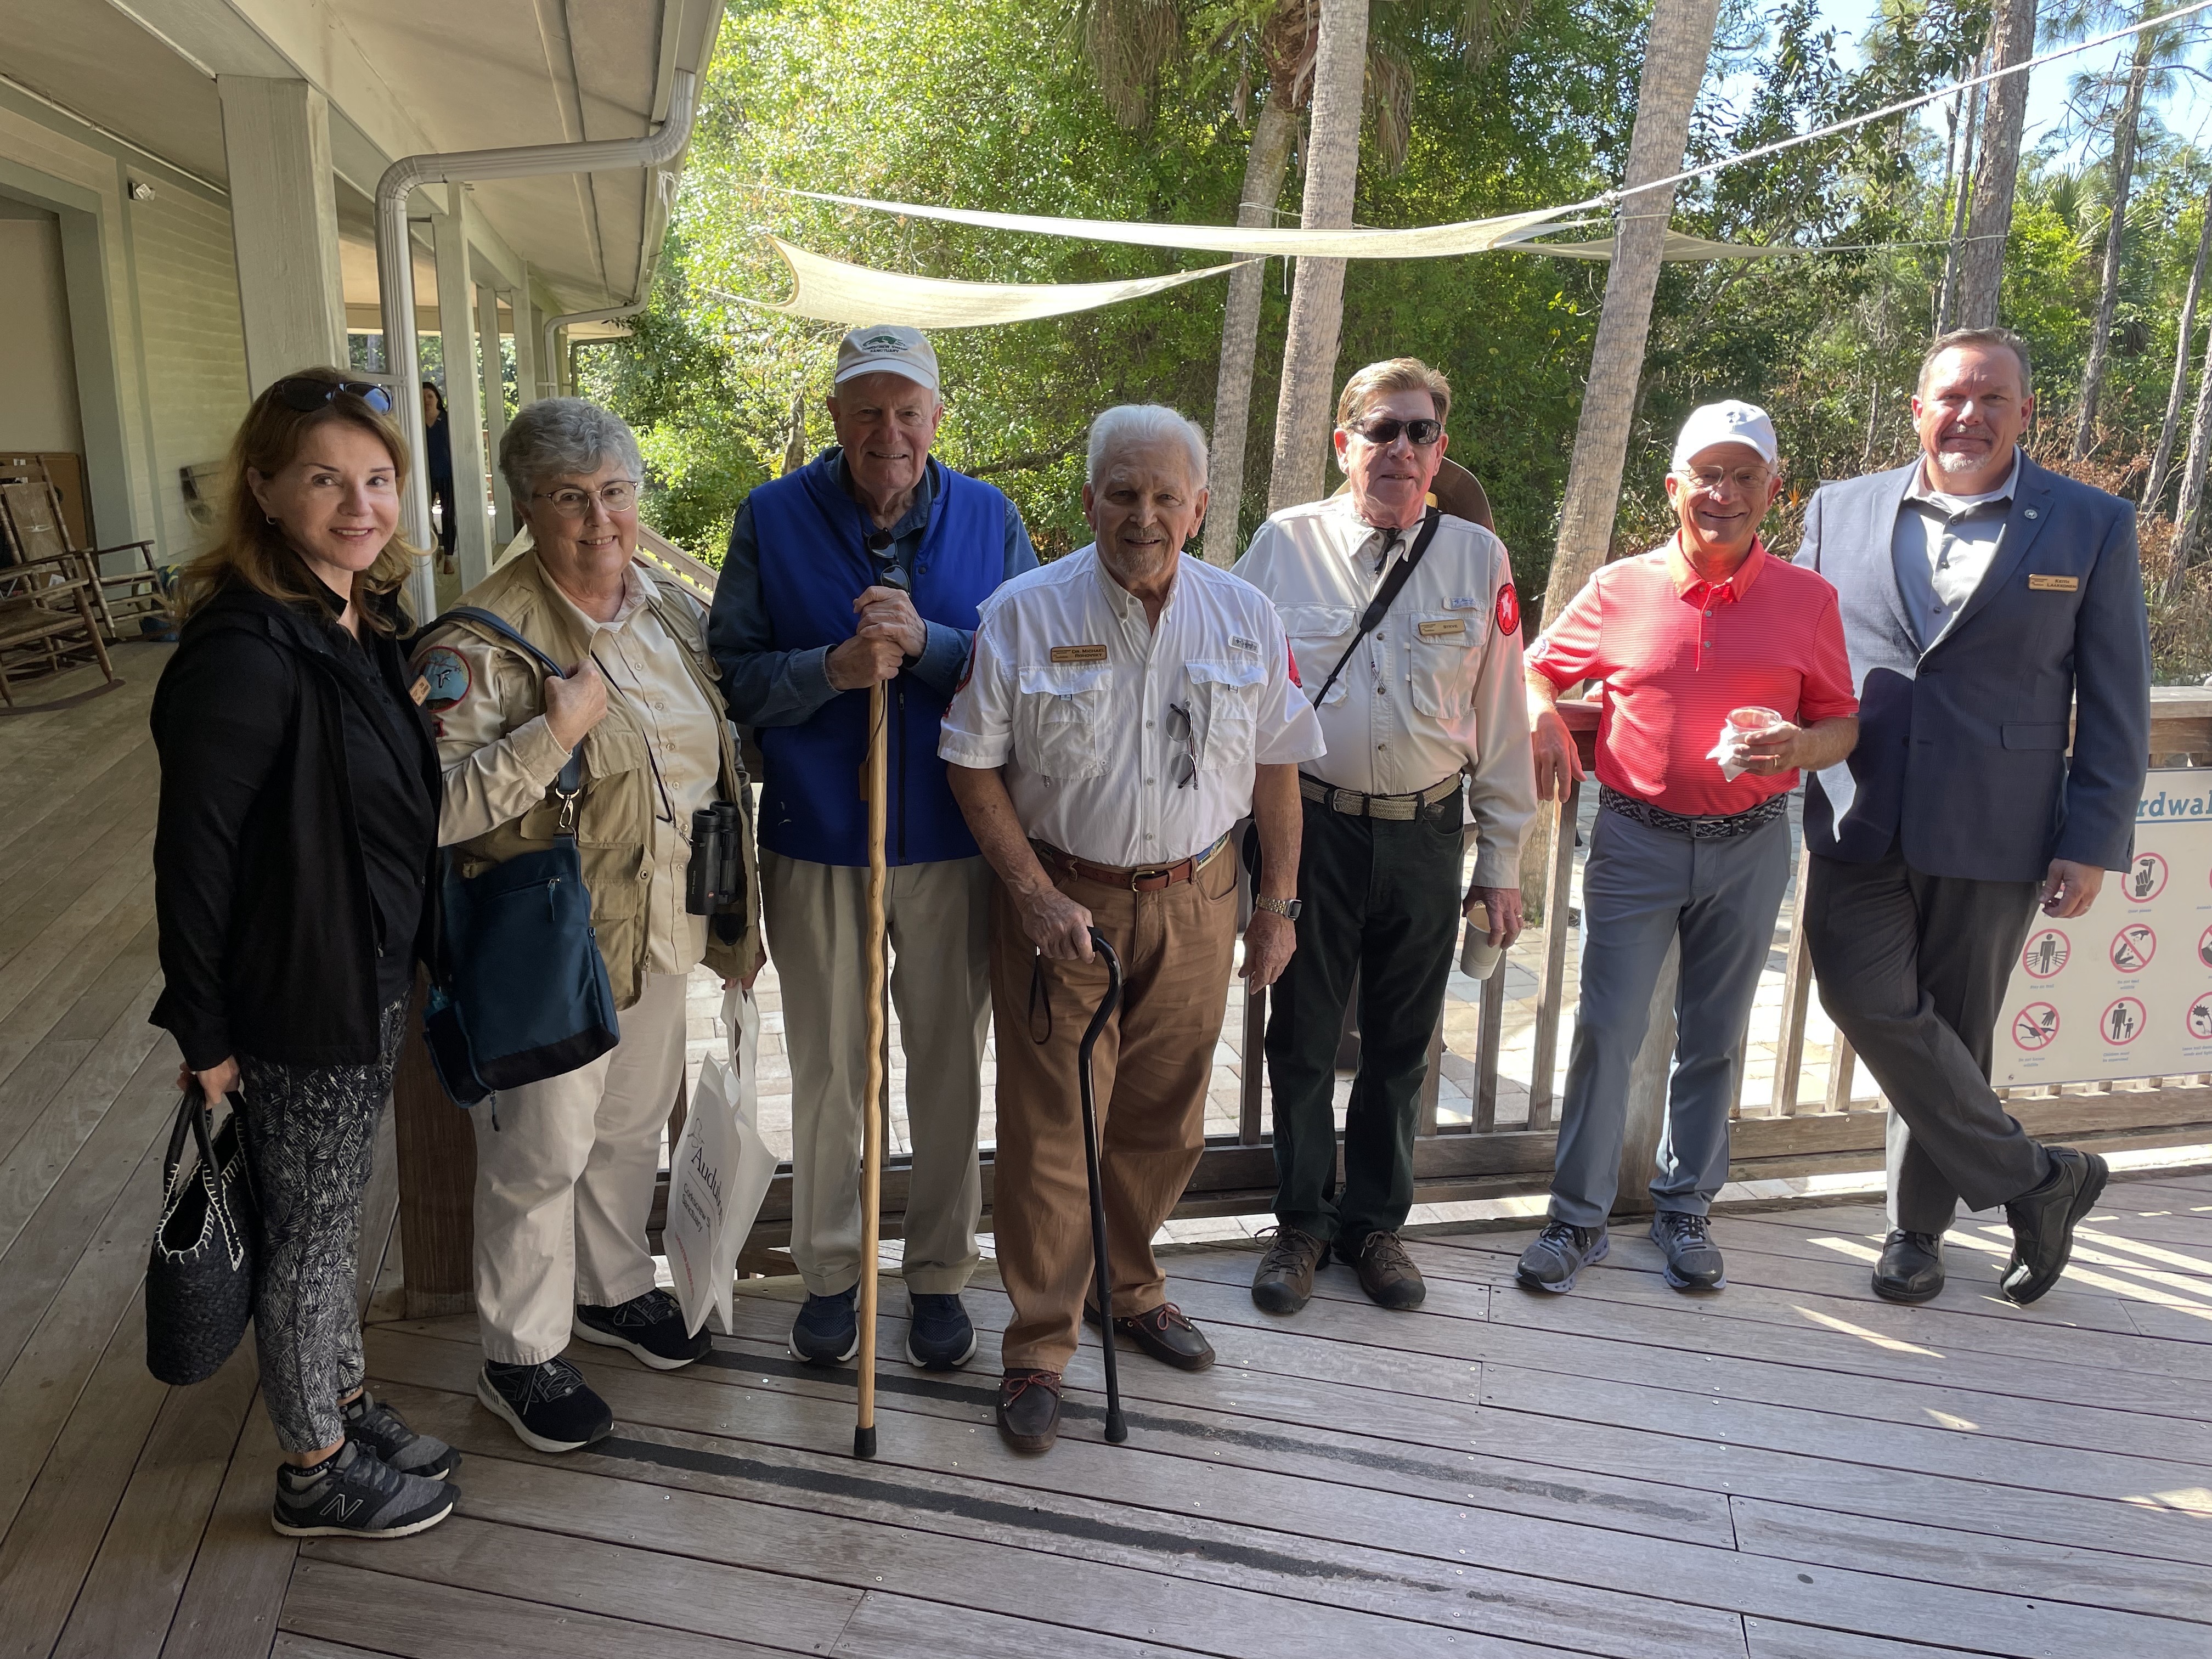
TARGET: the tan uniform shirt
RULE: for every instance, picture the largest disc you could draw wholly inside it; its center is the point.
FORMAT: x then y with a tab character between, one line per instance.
498	759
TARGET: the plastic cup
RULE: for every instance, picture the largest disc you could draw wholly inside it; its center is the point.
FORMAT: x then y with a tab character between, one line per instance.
1748	722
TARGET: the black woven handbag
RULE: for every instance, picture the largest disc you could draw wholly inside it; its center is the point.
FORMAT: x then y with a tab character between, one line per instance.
199	1278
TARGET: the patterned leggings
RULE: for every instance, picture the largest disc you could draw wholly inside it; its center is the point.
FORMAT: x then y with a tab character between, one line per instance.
311	1137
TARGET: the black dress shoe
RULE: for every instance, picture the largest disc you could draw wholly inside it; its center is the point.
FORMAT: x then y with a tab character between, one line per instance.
2043	1221
1911	1269
1165	1334
1029	1409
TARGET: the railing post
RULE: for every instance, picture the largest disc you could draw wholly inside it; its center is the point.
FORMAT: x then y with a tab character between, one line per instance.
1797	1000
437	1181
1558	885
1254	1064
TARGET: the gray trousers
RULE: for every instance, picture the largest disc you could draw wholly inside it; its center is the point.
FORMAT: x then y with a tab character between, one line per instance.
1912	967
940	925
1641	888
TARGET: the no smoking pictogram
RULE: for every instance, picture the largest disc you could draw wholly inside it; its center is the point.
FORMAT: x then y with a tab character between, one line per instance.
2199	1017
2146	879
2122	1022
2035	1026
2133	947
2047	952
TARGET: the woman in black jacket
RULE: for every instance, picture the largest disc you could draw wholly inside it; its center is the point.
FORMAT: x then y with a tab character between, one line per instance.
297	830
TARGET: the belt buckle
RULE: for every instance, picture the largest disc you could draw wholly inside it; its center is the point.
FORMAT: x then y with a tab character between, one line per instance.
1157	875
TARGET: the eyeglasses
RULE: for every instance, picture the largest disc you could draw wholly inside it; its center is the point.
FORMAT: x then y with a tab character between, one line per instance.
303	394
1386	429
1747	480
620	496
1181	731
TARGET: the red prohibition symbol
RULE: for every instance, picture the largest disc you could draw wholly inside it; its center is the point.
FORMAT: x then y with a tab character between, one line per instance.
2122	1022
2133	947
2146	879
2047	950
2035	1027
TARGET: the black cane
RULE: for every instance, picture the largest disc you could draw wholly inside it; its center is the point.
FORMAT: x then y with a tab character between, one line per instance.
1117	1430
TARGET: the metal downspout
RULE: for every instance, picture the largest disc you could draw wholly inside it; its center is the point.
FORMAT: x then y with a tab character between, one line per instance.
395	269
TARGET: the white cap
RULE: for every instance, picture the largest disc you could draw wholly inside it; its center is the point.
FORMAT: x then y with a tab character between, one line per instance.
887	349
1729	422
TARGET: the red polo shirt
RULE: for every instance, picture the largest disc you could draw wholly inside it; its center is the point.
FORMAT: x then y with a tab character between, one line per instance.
1674	653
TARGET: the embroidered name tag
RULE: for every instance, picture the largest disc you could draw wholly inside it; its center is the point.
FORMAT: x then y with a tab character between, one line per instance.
1238	643
1440	631
1079	653
2054	583
1462	604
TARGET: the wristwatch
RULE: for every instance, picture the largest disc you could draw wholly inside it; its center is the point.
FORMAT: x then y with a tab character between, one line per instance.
1286	908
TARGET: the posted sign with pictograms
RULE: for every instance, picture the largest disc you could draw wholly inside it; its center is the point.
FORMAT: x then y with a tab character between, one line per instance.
2125	991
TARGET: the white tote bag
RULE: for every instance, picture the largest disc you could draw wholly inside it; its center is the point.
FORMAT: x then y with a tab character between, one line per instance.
719	1171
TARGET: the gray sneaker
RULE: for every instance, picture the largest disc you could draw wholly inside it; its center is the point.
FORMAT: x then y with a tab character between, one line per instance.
1693	1260
1557	1255
355	1494
376	1427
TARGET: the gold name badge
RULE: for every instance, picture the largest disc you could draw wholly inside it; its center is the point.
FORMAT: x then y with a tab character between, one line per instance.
1079	653
2054	583
1441	631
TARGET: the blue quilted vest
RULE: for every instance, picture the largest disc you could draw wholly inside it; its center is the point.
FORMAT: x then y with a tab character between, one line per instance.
813	564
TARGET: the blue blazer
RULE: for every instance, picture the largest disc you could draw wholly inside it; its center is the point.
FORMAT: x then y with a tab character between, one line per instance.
1962	752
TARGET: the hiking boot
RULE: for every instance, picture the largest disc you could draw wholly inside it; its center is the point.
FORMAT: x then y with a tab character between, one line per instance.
1556	1257
375	1427
2043	1221
1693	1260
1911	1269
827	1331
354	1494
548	1404
1165	1333
939	1335
1284	1283
1386	1274
1029	1409
650	1326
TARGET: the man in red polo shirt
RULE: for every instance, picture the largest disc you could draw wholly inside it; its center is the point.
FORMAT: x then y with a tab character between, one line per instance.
1705	638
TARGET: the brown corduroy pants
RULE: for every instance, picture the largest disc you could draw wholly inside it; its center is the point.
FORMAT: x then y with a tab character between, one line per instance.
1150	1070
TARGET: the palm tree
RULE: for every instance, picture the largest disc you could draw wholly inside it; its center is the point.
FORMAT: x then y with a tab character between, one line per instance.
1981	264
2162	458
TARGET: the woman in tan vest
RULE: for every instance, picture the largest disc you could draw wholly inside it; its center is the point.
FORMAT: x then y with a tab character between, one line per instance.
565	1168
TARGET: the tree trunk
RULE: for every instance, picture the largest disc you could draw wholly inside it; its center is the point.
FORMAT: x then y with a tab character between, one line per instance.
1981	265
1303	402
1265	163
1947	308
2155	487
2189	513
2108	296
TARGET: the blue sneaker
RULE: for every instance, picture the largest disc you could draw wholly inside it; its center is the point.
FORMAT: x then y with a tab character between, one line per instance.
827	1331
939	1336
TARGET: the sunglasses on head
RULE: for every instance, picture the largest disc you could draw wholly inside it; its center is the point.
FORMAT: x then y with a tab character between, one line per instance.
1384	429
305	394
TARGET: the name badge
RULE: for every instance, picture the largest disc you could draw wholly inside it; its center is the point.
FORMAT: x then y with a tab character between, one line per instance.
1079	653
1455	627
2054	583
1238	643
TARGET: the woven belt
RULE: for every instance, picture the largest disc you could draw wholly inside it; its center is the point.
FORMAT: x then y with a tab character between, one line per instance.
1141	878
1352	804
1720	827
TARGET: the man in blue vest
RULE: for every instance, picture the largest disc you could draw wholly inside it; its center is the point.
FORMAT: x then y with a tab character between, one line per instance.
867	565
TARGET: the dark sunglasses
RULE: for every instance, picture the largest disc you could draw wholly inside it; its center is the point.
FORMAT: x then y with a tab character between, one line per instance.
1382	429
305	395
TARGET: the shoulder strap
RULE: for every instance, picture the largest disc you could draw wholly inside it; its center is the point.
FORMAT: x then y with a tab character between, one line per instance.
1393	585
570	783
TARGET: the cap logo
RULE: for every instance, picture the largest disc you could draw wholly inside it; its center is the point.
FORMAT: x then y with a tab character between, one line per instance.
883	343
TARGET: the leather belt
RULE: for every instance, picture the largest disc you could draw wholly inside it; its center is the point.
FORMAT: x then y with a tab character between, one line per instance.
1717	827
1352	803
1137	878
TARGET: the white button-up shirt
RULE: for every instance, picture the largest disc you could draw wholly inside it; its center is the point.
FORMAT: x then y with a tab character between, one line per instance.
1124	742
1435	687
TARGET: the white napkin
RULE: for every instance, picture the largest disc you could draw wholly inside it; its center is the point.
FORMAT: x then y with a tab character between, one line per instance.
1730	749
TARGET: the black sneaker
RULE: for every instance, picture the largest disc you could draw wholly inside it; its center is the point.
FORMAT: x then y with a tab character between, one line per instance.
939	1335
650	1326
374	1427
1693	1260
354	1494
827	1331
548	1404
1555	1259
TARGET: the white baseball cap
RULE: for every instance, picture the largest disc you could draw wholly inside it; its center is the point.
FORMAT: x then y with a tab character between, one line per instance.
1727	422
884	349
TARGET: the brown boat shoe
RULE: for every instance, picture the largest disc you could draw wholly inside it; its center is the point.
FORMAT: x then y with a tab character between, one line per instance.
1165	1333
1029	1409
1386	1274
1285	1281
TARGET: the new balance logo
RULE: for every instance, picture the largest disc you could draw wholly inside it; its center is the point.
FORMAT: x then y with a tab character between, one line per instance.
342	1510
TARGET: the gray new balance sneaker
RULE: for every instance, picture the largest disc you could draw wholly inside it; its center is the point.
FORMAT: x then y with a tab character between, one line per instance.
1557	1255
376	1427
1693	1260
354	1494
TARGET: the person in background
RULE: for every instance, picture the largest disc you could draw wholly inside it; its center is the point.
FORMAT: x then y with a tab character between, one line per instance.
438	450
298	825
865	567
565	1168
1994	612
1705	636
1433	691
1124	707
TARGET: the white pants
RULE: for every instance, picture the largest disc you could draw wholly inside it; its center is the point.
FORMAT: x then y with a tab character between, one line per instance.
565	1183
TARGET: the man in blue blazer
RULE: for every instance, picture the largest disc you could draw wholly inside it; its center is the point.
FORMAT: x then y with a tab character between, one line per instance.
1986	602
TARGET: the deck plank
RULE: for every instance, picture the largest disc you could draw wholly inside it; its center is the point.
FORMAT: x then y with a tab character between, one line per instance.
235	1588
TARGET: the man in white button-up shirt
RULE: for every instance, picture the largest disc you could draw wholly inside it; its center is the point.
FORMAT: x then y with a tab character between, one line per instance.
1431	691
1123	707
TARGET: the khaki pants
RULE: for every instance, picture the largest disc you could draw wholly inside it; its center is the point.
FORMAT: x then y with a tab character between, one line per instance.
565	1183
1148	1070
818	933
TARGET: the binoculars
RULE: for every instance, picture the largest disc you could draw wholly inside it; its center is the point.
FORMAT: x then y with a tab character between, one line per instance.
714	882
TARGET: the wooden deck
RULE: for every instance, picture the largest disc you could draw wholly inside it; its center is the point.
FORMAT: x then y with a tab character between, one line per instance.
1787	1470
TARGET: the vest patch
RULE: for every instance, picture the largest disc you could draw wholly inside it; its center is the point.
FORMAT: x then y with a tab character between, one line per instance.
1509	611
2054	583
444	678
1079	653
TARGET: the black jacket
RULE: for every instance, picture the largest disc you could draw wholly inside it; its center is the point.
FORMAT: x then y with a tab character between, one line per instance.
268	933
